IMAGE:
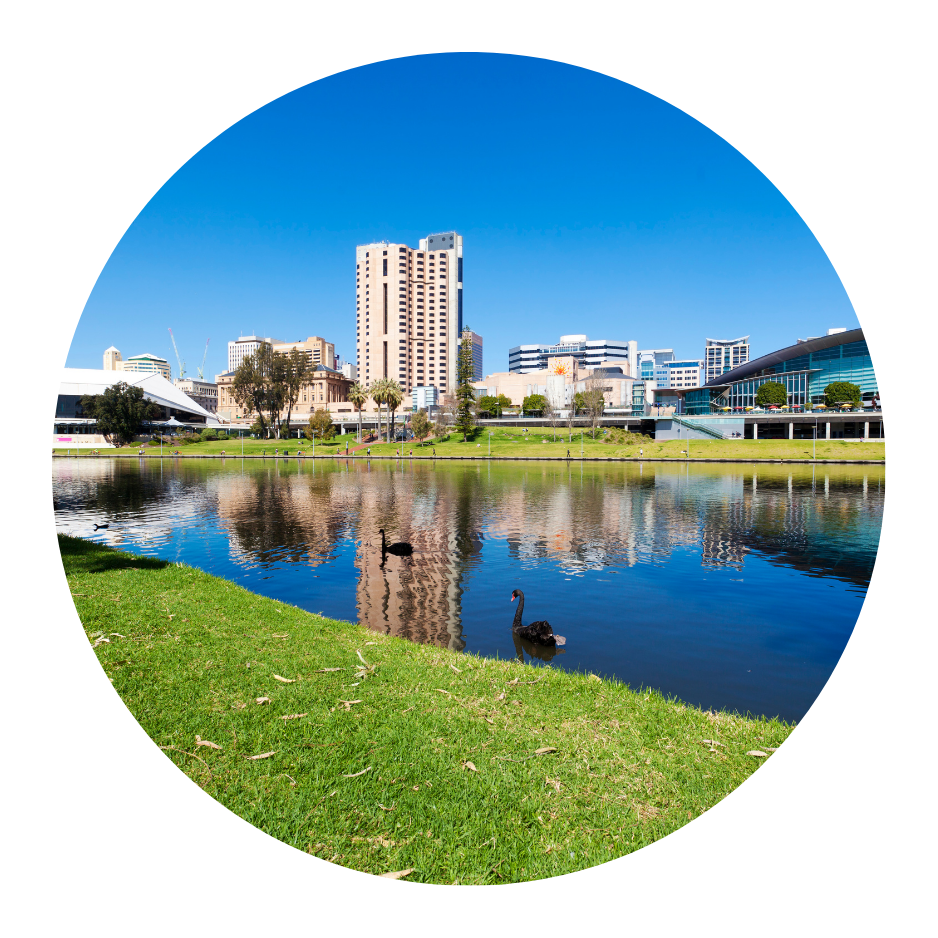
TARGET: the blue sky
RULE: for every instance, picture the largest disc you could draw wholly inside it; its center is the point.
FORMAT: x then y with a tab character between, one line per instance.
585	204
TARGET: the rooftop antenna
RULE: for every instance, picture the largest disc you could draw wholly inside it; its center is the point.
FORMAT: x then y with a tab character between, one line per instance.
179	361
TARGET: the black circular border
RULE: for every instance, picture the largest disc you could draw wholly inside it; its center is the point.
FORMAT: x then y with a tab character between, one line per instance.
93	93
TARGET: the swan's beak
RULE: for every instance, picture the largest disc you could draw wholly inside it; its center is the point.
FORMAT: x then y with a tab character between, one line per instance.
512	597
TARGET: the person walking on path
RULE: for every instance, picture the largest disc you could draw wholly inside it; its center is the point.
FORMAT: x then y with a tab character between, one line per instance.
369	450
568	454
641	452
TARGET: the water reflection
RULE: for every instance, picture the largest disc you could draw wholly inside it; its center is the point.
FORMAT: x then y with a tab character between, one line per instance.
608	552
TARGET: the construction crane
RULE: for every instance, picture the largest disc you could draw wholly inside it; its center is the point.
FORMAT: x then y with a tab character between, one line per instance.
179	361
204	354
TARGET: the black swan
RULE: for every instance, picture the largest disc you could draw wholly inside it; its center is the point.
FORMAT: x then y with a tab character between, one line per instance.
102	526
540	633
401	548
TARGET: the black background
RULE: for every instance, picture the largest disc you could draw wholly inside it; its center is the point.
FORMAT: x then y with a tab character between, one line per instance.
86	87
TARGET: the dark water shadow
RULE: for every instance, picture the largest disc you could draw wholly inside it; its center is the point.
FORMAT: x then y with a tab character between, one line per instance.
88	557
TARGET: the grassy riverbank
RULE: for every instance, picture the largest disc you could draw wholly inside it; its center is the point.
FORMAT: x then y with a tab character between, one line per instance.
510	444
459	768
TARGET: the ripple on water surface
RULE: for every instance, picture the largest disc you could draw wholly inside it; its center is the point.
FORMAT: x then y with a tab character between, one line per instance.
727	585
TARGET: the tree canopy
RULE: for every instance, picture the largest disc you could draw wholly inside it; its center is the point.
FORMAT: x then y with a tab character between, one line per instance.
253	385
294	370
772	392
420	425
465	396
594	401
320	426
120	411
534	404
841	392
492	405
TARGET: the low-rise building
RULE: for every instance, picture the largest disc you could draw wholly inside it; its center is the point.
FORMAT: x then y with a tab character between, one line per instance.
588	353
73	428
318	350
560	382
204	393
805	369
138	364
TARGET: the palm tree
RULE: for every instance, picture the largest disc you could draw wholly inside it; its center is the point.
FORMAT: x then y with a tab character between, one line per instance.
394	395
358	396
377	392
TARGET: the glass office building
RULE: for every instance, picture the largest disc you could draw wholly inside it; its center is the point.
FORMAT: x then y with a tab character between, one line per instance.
805	370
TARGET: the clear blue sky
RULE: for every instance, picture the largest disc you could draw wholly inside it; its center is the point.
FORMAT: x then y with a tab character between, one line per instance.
586	205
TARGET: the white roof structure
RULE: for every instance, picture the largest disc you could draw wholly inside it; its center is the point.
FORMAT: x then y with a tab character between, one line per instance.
155	388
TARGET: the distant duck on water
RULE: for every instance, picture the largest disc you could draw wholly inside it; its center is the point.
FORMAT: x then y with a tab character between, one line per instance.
101	526
400	549
540	633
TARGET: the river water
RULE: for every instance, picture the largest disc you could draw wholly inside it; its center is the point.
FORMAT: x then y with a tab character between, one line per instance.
726	585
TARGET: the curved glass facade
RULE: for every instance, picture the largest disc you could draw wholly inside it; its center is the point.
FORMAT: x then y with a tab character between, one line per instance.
805	377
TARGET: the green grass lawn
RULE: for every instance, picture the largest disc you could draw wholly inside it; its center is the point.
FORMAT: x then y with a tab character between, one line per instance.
383	755
509	444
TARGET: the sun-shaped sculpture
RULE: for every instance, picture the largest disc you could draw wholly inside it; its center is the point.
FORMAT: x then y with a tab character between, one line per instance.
560	368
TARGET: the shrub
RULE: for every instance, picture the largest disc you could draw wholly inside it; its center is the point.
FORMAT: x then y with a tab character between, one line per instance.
207	435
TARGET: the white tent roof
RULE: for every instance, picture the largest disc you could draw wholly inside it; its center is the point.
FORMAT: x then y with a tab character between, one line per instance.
155	388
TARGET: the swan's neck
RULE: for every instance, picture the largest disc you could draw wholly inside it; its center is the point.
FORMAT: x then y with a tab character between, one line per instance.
517	623
383	548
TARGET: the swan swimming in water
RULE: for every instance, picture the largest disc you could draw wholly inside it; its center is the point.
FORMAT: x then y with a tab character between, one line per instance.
400	549
538	632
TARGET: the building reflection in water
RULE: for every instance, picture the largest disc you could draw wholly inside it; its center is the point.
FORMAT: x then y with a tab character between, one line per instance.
570	518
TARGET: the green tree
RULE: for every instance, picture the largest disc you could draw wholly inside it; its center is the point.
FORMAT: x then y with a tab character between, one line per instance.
488	406
252	382
294	371
276	372
119	411
378	393
533	405
465	396
320	426
394	395
579	402
492	405
594	401
842	392
420	425
772	392
358	396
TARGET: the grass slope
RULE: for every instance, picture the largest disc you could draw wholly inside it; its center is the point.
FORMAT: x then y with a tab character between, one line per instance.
509	444
421	759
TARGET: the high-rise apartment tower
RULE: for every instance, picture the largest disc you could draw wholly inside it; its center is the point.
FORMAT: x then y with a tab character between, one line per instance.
408	314
723	355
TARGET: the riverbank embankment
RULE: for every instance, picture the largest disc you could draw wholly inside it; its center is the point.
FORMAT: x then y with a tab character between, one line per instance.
421	458
383	755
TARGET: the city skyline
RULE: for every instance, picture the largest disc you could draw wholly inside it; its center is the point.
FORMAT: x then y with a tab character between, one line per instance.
589	207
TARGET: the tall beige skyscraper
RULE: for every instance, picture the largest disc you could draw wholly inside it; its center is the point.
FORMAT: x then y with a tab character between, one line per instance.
409	311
